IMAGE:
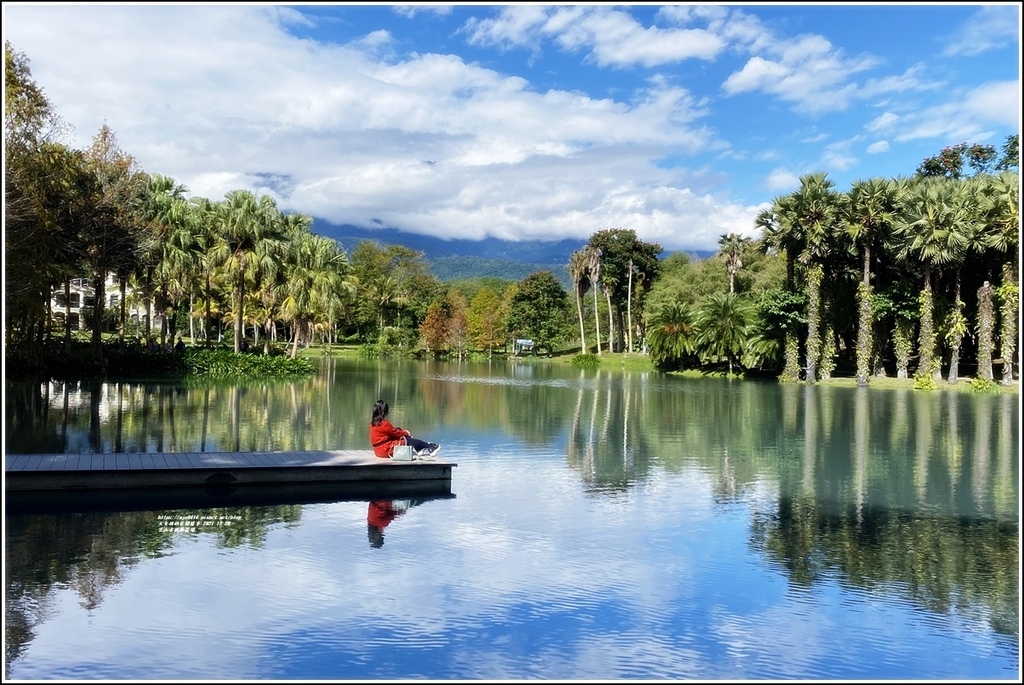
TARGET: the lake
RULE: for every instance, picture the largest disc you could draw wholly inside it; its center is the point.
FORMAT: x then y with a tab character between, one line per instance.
602	524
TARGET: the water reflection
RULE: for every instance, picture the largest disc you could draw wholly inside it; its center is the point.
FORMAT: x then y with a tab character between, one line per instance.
379	515
905	498
92	550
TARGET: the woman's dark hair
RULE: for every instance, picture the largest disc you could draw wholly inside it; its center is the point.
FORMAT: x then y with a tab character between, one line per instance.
380	411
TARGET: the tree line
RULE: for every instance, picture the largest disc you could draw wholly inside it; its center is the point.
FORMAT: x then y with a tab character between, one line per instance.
917	272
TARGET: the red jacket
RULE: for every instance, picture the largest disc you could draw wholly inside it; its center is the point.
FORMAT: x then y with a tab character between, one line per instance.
384	437
380	513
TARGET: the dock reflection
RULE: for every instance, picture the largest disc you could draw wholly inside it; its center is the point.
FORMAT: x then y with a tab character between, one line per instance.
159	499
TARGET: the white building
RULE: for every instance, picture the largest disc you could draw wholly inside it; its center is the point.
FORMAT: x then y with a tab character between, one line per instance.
83	296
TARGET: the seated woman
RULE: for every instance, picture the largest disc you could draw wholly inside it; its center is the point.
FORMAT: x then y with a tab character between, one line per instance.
384	436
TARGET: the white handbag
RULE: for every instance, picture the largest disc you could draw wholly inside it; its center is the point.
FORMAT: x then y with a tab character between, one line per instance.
402	452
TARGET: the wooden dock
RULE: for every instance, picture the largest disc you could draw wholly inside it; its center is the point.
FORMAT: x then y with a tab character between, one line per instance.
43	481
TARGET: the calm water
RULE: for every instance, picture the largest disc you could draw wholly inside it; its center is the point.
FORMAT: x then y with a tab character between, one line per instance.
601	525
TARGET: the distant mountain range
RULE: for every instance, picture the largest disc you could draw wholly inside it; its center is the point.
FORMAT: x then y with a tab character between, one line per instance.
463	259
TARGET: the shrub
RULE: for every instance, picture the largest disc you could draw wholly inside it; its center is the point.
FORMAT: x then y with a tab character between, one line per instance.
984	385
586	361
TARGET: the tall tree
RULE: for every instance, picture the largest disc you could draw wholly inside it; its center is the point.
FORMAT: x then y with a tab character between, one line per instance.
927	229
621	250
578	263
594	275
778	237
813	212
869	212
730	248
487	320
114	239
251	230
539	310
1001	220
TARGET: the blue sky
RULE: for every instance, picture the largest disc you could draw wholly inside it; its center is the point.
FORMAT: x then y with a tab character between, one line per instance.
524	121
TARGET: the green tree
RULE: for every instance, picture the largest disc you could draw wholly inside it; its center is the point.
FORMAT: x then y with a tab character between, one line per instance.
723	324
1011	154
539	310
813	214
594	276
670	335
869	210
1001	233
628	267
251	233
928	231
487	320
730	248
578	264
951	160
114	237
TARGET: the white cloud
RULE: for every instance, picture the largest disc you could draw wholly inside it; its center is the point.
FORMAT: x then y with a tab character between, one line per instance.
782	180
969	115
878	147
837	156
990	28
806	71
410	11
883	122
609	36
427	143
369	132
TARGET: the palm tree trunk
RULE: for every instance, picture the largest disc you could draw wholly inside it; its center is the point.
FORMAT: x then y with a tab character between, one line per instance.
925	340
597	320
864	323
814	276
209	321
985	321
1008	309
579	312
957	326
608	301
239	330
629	309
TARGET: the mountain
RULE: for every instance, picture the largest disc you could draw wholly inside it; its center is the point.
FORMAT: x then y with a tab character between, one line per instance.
458	259
553	253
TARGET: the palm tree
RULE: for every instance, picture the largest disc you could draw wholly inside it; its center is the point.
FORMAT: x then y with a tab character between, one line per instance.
311	276
869	212
1002	221
927	232
730	247
578	263
207	236
723	326
607	286
594	274
250	231
969	195
813	212
778	238
173	220
670	335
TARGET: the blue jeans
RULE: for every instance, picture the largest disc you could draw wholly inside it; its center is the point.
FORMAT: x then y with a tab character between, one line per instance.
417	444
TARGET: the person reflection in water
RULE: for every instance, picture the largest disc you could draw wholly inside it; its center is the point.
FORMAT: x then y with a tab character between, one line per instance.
379	514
